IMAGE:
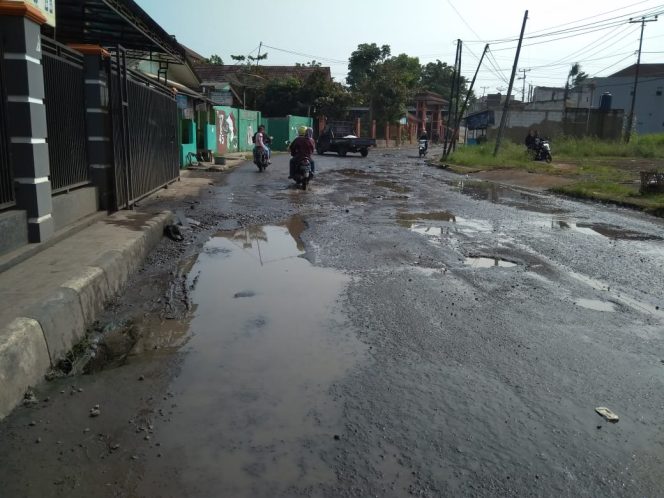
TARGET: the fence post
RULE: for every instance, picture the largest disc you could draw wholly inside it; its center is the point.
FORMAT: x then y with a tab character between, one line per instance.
20	25
322	122
373	129
387	134
358	128
98	124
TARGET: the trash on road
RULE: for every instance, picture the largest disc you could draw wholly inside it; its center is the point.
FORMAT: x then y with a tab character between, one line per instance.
607	414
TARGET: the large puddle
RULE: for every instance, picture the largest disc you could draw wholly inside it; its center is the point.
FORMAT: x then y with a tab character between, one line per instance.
609	231
508	196
253	394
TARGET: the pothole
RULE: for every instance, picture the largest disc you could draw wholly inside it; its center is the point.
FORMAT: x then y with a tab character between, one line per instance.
596	305
486	262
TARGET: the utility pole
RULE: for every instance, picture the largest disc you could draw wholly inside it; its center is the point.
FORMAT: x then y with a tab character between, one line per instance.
484	90
643	22
260	45
455	74
523	89
503	119
465	102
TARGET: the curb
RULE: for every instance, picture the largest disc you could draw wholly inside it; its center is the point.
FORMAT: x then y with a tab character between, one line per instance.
31	344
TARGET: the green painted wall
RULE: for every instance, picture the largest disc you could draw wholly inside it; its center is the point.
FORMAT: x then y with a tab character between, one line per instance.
285	129
210	137
247	125
187	140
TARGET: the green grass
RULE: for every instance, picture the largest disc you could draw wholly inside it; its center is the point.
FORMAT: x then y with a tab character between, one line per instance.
601	170
647	147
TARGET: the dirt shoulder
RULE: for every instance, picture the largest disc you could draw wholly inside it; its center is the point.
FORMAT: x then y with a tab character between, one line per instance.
612	180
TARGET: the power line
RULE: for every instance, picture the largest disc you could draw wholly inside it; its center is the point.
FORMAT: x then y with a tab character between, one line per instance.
315	57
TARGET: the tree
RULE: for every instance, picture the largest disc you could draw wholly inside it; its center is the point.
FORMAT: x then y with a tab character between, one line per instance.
238	58
393	85
280	97
215	59
363	62
320	95
383	82
437	77
576	77
313	63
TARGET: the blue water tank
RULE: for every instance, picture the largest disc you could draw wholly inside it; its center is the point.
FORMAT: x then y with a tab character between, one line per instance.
605	101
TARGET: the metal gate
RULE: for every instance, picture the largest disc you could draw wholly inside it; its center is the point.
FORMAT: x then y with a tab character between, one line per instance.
144	115
64	87
7	197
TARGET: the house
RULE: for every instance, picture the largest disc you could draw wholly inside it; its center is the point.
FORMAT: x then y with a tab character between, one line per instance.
91	121
649	108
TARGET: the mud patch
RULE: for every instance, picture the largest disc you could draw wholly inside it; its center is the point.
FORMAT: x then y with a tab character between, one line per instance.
355	173
393	186
484	262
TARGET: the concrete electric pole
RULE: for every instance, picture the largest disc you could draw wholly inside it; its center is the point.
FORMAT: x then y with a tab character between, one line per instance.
630	124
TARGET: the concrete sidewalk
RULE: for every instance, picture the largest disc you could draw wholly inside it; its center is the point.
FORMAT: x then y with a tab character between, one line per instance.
49	296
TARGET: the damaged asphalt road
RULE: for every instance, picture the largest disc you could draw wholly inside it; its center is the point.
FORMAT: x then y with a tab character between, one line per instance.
397	330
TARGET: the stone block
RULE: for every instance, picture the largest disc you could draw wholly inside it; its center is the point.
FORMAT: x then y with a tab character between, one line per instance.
93	291
61	318
24	360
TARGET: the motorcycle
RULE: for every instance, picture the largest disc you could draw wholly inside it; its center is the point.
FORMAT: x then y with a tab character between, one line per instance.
302	174
423	148
541	151
260	159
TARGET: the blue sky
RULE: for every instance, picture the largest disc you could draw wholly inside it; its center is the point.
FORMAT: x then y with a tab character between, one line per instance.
330	31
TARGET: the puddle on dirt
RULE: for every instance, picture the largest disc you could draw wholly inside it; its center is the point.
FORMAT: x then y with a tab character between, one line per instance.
484	262
619	296
253	388
596	305
393	186
355	173
407	219
500	194
604	229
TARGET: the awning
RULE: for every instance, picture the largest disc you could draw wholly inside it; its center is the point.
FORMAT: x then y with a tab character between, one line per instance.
116	22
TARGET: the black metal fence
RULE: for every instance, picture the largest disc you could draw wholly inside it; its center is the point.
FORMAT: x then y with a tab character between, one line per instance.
144	115
6	178
64	86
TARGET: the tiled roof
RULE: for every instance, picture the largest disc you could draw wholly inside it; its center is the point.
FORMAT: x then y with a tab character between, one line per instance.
645	70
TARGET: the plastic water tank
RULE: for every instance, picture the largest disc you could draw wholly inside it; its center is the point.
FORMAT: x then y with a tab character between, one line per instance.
605	101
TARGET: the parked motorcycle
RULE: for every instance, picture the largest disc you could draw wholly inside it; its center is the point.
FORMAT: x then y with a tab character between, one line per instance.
423	148
302	174
541	151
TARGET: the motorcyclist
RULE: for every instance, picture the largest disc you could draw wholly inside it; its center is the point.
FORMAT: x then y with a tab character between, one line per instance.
424	136
262	141
301	148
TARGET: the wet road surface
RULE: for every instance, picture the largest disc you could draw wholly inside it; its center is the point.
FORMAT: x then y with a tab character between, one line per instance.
397	330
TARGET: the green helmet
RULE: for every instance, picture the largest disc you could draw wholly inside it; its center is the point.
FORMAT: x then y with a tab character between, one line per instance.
302	131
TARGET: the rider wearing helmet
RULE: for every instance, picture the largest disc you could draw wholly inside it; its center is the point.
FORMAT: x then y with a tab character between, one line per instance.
301	148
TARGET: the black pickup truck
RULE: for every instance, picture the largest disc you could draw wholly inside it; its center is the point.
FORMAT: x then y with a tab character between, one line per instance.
339	138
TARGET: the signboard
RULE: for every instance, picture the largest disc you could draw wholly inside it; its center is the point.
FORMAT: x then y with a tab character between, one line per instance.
46	7
221	97
182	101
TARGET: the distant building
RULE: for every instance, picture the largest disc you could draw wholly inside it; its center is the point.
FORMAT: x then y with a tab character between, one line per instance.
649	110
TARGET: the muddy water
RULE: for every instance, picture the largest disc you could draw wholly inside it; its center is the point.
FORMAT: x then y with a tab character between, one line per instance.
252	413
